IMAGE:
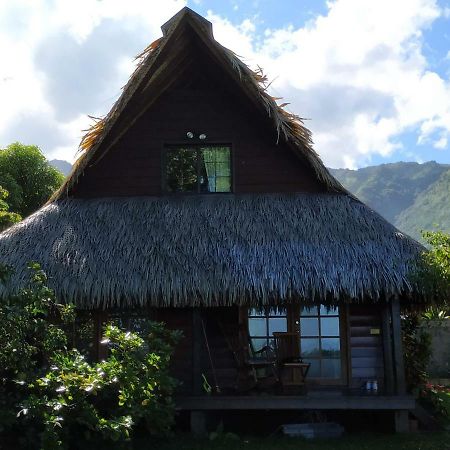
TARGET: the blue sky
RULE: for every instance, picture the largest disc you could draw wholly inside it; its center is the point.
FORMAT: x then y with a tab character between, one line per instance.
372	77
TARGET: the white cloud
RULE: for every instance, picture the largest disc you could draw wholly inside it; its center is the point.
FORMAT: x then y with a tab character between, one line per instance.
358	71
51	76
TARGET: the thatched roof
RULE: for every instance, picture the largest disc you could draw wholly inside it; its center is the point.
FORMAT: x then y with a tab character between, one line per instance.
145	83
236	249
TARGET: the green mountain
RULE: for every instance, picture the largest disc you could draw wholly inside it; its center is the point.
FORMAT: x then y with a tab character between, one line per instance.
431	209
412	196
63	166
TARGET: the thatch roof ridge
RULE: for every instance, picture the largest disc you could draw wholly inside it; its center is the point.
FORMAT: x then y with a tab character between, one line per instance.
289	127
237	249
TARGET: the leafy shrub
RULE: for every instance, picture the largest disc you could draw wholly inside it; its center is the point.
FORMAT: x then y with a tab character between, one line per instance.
60	398
417	352
435	270
7	218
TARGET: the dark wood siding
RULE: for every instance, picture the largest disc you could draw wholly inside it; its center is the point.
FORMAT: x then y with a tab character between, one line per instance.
366	347
223	367
181	367
206	102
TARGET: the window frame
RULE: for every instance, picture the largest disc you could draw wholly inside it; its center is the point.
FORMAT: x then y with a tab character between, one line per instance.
196	145
266	315
293	325
342	342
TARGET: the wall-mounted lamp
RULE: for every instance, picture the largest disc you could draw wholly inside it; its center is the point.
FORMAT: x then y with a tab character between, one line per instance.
191	135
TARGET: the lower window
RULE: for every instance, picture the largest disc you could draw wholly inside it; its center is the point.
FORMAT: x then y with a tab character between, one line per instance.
262	324
320	341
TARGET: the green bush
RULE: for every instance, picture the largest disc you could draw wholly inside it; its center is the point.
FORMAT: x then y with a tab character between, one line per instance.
417	352
51	394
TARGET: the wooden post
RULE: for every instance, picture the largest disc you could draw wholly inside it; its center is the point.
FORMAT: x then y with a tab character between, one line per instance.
401	421
197	337
348	345
389	381
198	423
100	350
399	366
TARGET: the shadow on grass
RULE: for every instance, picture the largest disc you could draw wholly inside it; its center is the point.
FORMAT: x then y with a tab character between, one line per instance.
422	441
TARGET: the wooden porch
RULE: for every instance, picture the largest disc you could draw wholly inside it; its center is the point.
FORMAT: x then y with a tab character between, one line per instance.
313	400
329	401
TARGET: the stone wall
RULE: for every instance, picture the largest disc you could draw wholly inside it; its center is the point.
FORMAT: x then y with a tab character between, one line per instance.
439	366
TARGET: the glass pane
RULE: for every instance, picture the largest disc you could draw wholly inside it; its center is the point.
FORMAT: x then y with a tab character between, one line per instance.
223	154
329	326
314	369
258	344
278	324
308	311
331	368
329	310
139	324
223	169
215	169
309	347
257	327
209	186
223	184
309	327
256	312
181	170
277	312
331	347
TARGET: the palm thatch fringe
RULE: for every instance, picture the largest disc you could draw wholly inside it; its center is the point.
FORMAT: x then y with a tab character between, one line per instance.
289	127
212	250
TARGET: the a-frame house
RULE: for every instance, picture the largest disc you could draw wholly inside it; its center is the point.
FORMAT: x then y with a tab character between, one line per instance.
199	201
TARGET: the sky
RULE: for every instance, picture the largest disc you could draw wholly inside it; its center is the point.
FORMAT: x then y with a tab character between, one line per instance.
372	77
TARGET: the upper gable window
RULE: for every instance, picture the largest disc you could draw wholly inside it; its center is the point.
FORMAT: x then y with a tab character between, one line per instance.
197	169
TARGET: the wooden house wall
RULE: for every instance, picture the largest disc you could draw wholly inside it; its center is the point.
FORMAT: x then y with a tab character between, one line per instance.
364	342
206	103
182	368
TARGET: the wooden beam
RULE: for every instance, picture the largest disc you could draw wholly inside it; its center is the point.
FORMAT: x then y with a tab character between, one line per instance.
197	339
401	421
398	363
300	402
198	423
389	381
100	350
348	347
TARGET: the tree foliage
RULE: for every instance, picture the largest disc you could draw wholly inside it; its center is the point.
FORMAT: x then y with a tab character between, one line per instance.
436	263
52	394
7	218
28	177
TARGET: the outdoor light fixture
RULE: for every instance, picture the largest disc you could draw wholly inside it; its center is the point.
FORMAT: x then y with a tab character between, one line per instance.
191	135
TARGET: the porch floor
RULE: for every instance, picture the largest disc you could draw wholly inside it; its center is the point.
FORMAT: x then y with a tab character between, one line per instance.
313	400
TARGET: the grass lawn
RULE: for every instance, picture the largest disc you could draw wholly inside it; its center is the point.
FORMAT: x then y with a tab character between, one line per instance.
445	396
416	441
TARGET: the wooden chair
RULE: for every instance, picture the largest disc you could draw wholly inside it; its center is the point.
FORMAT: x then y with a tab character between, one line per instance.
291	368
254	367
